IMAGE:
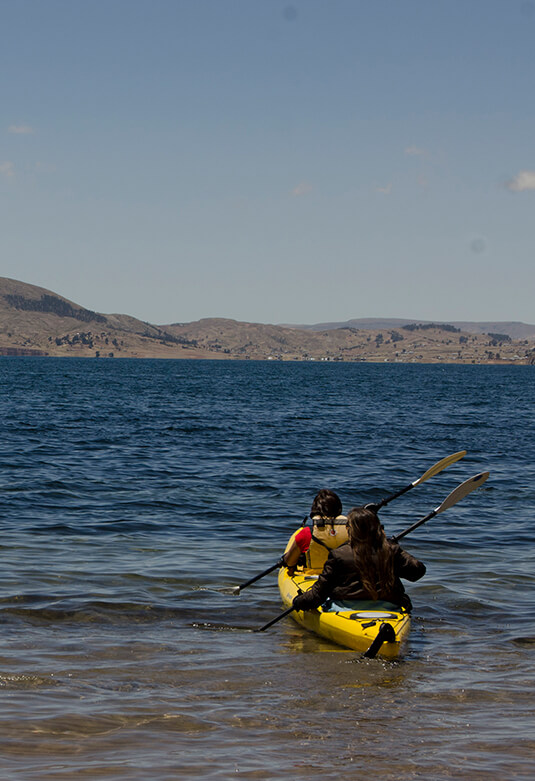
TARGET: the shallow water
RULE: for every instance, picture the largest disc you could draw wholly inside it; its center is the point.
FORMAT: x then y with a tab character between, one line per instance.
136	493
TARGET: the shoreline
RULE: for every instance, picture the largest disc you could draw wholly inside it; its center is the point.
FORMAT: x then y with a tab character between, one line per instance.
255	359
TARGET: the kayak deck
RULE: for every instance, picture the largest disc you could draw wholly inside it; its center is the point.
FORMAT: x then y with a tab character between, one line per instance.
350	627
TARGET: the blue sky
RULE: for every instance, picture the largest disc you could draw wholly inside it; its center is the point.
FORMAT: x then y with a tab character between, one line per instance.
275	162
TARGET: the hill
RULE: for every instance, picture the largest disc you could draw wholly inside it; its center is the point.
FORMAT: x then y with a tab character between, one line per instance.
36	321
413	343
515	330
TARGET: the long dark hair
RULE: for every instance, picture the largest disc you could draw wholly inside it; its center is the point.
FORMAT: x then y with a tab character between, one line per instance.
371	551
326	504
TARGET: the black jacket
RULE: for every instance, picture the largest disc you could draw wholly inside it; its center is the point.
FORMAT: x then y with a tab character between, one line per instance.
340	579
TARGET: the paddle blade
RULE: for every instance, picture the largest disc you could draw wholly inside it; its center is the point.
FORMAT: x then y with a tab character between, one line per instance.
456	495
439	466
461	491
433	470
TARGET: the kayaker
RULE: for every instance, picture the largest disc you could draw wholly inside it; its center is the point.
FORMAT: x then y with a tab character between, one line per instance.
326	532
367	567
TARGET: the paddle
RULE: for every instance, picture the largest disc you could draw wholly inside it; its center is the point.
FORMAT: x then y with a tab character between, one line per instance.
433	470
274	620
237	589
455	496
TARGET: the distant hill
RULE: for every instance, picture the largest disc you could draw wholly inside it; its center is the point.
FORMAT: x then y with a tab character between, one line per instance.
35	321
516	330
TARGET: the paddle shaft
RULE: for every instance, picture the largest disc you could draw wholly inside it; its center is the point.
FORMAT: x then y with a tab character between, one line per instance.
274	620
433	470
455	496
393	496
414	526
278	564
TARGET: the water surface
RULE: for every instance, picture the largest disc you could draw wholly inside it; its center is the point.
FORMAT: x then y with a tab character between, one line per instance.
135	493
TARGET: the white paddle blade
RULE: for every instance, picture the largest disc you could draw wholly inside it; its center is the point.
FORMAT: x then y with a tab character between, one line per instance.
439	466
462	490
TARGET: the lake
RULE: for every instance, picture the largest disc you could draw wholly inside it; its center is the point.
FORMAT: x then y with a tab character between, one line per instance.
135	494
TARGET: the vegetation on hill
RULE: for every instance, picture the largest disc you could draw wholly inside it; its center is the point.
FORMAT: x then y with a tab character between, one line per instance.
497	338
431	326
53	305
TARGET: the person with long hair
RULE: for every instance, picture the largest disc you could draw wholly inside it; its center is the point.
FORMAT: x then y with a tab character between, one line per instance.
367	567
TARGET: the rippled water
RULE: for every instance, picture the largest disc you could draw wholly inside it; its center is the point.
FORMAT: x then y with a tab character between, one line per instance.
135	493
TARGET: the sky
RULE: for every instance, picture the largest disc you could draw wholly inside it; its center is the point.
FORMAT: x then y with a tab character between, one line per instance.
271	161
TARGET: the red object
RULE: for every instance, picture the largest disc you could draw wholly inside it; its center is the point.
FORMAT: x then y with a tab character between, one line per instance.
303	538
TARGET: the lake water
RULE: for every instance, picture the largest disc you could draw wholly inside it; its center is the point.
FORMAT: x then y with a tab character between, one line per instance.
135	493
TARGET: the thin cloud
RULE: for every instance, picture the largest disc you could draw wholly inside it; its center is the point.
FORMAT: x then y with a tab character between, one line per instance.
7	169
303	188
525	180
386	190
21	130
45	168
415	151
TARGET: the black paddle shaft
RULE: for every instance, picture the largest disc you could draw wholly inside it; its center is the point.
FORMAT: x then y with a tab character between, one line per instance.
274	620
388	499
278	564
414	526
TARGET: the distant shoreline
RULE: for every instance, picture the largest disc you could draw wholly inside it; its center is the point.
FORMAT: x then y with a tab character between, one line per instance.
92	358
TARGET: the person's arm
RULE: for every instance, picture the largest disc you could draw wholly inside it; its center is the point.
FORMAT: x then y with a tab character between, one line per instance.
322	588
300	544
291	557
407	566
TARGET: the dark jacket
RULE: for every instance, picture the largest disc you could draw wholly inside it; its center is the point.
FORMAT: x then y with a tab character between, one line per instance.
340	579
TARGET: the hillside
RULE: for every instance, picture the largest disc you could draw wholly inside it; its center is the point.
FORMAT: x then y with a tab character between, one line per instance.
408	344
515	330
36	321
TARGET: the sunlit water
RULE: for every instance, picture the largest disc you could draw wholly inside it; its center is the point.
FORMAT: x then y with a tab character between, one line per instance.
134	494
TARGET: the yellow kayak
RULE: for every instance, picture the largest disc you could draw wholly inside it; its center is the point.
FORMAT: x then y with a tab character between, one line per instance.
353	625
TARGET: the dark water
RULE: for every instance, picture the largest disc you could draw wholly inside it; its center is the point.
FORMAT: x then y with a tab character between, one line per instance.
133	493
